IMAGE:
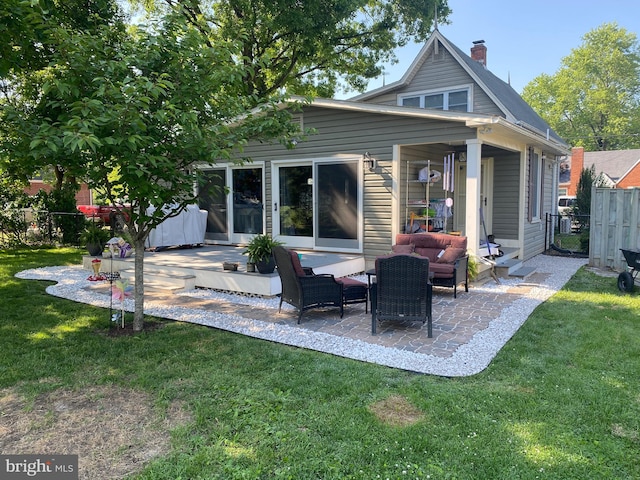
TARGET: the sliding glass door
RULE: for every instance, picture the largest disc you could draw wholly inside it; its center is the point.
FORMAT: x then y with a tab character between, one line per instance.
318	204
213	199
247	204
314	203
293	210
337	193
233	198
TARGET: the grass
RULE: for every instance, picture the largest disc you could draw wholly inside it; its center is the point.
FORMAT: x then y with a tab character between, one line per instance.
568	241
560	401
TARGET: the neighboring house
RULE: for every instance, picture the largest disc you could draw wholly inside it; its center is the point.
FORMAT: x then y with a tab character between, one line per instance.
83	197
352	186
615	169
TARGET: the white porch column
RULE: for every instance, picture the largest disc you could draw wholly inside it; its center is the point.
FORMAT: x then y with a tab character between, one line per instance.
472	219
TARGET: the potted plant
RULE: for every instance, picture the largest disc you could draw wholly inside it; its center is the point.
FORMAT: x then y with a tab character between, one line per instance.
472	267
260	250
94	238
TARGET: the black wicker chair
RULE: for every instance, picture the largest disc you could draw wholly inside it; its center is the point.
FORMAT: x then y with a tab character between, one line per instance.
302	288
402	291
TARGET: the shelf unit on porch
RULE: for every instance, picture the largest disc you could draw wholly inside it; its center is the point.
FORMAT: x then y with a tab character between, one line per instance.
413	206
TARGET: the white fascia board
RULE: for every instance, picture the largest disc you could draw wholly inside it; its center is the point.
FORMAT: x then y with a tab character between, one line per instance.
479	118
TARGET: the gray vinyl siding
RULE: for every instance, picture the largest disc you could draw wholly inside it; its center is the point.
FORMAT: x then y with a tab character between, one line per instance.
534	232
549	201
506	195
343	132
441	72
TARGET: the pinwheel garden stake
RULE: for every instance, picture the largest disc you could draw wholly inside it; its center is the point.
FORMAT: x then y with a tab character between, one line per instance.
119	291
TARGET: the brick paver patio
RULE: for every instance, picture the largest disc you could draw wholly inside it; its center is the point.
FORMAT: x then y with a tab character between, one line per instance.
455	321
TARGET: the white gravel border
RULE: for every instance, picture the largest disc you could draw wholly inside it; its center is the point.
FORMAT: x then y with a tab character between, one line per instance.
468	359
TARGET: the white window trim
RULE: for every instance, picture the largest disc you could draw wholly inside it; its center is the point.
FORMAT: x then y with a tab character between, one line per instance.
536	205
456	88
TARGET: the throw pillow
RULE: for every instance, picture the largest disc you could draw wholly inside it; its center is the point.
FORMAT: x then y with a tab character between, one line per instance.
403	248
296	263
450	255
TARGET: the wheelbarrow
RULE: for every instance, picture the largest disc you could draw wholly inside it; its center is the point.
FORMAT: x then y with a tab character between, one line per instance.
627	279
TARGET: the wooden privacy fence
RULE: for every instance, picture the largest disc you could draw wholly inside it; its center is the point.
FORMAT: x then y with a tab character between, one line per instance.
615	224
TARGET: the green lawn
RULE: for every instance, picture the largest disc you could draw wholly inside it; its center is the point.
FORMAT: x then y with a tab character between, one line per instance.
561	400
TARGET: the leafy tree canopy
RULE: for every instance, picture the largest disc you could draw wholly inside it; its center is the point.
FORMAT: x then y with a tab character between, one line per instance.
150	106
25	28
593	100
309	47
29	45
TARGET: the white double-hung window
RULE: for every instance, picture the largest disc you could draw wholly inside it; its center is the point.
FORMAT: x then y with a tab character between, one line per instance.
536	182
456	99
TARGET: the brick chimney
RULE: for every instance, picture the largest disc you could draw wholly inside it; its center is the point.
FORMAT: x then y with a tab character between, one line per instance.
577	164
479	52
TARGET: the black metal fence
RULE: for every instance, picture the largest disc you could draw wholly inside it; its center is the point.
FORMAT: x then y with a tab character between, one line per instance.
33	227
567	234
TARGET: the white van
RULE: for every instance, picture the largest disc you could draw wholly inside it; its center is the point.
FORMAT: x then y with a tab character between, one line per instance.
565	204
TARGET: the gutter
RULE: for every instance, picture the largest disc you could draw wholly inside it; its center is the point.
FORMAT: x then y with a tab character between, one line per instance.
531	133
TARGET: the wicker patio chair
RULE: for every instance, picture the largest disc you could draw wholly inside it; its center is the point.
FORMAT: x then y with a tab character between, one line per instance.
402	291
302	288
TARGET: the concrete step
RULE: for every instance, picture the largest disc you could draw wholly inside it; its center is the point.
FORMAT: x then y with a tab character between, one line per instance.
504	267
523	272
512	267
508	252
162	280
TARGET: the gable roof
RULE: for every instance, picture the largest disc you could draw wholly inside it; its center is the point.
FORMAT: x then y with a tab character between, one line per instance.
616	164
515	109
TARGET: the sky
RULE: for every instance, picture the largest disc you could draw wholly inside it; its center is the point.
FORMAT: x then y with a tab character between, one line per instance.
524	38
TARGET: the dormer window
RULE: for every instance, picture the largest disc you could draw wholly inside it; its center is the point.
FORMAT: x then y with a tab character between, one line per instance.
456	99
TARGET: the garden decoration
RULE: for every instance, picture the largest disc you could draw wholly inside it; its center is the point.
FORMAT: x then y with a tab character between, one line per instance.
97	276
230	266
119	291
118	248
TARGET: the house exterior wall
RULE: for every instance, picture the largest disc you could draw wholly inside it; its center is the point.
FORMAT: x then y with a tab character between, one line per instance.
506	195
83	196
441	71
577	164
392	140
341	132
631	179
621	167
534	231
533	239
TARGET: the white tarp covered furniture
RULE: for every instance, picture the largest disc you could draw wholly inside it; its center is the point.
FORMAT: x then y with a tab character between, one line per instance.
187	228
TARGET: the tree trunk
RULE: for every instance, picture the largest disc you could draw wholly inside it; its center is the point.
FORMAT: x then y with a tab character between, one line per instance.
138	292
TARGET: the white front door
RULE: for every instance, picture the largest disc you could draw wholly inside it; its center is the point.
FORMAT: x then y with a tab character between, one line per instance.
486	196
